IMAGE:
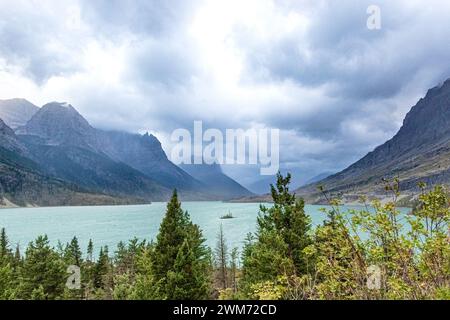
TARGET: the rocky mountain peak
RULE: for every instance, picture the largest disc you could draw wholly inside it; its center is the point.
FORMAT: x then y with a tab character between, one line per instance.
61	108
419	152
67	146
429	120
16	112
150	140
60	123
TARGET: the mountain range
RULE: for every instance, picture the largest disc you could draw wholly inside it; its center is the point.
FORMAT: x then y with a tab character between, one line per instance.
419	152
53	156
215	180
262	184
61	147
23	182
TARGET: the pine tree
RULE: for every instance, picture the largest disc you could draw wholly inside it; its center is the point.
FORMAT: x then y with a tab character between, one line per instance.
43	271
221	255
72	253
282	235
121	258
88	270
172	233
146	288
3	243
7	283
179	246
101	268
17	261
90	251
125	256
5	250
287	217
103	275
134	248
187	280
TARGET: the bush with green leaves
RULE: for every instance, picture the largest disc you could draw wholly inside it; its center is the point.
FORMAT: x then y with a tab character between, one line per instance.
411	251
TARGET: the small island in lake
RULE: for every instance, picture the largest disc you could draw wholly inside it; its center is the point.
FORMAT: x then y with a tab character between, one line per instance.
229	215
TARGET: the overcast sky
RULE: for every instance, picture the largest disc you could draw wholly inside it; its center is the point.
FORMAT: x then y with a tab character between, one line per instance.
313	69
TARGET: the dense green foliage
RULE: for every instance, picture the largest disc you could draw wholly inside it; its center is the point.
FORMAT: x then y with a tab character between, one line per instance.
370	253
374	253
276	250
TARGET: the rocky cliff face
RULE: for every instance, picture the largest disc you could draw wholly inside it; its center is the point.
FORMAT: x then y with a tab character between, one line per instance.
63	145
59	124
24	182
420	151
16	112
425	126
145	153
66	146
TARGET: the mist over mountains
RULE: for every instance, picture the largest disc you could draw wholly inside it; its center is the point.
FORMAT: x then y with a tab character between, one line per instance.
56	142
53	156
419	152
17	112
216	181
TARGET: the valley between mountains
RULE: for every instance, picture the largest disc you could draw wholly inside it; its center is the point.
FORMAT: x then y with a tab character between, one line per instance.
419	152
52	156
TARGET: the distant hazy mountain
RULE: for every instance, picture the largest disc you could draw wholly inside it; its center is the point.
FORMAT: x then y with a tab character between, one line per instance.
145	153
216	182
16	112
420	151
319	177
262	185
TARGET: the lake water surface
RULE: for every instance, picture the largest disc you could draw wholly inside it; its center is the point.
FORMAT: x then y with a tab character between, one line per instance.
107	225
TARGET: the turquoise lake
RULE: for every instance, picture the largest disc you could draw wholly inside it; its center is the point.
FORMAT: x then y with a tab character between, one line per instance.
107	225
